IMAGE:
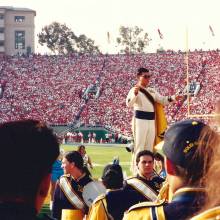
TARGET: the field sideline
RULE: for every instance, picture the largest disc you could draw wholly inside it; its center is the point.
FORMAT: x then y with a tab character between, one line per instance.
102	154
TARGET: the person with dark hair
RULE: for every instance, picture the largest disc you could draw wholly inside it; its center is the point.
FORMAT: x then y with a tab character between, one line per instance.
86	159
187	158
29	149
112	176
160	165
69	188
147	182
112	179
144	101
143	187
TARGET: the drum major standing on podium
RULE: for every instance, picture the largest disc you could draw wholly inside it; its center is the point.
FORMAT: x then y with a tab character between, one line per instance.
143	98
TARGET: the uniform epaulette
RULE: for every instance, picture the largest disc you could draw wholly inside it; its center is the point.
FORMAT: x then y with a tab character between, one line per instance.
100	197
146	205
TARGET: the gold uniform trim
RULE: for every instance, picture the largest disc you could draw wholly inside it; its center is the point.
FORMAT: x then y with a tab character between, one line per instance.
146	205
160	213
210	214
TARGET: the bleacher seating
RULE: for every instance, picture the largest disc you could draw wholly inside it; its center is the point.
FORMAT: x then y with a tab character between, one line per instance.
51	88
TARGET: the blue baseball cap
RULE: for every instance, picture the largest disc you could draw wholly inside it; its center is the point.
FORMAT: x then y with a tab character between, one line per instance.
181	141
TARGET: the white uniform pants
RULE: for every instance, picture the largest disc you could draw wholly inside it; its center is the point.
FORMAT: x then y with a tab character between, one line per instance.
144	135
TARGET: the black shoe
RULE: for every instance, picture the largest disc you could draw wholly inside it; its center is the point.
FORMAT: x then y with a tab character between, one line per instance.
128	149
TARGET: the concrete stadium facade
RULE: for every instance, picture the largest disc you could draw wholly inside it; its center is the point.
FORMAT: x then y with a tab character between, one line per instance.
16	30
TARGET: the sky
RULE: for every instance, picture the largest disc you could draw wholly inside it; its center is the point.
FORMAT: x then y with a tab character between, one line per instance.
177	20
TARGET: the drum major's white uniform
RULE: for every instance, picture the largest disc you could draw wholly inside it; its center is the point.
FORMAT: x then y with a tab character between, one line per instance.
143	129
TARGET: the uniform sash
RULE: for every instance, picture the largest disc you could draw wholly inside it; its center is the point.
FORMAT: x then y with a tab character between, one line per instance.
142	188
70	194
148	95
160	117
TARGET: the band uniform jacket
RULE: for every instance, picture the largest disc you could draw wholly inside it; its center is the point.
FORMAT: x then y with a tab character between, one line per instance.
116	202
72	200
184	204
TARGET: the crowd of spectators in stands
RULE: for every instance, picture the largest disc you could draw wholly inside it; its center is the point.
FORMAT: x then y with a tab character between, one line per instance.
51	88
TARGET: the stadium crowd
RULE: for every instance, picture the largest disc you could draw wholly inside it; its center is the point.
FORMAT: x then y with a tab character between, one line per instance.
46	87
51	88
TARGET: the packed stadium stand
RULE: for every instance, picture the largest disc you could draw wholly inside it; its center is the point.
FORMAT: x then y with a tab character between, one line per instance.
91	89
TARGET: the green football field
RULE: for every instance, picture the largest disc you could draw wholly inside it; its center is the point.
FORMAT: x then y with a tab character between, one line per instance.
100	156
104	154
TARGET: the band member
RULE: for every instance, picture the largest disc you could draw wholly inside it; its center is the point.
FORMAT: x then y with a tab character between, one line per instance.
69	188
112	178
185	166
144	101
143	187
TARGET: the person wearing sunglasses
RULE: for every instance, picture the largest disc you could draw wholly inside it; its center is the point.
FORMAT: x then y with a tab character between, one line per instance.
143	100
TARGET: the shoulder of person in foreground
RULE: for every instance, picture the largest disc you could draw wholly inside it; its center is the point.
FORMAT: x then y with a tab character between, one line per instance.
213	213
98	210
146	211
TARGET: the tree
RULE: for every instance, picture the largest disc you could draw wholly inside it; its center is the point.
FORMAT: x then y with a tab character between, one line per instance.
86	45
132	40
62	40
161	50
